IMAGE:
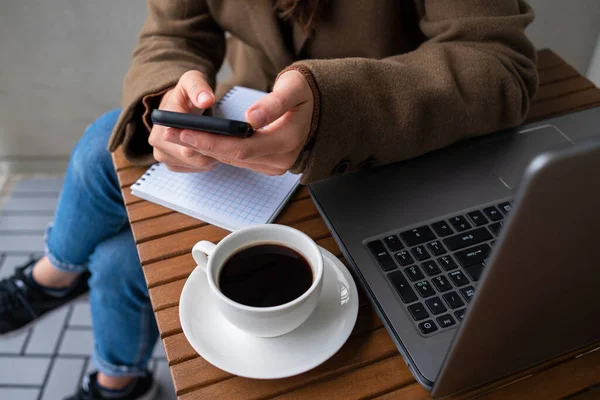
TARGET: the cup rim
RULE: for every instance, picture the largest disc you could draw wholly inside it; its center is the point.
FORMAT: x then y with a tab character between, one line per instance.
301	298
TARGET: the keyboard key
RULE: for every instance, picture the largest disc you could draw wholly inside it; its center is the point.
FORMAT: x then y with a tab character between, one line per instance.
447	263
445	321
427	327
458	278
473	255
441	283
442	228
424	289
393	243
417	236
402	287
492	213
453	300
414	273
418	311
505	207
404	258
431	268
475	270
478	218
467	292
420	253
382	256
467	239
460	314
460	223
495	227
437	248
435	305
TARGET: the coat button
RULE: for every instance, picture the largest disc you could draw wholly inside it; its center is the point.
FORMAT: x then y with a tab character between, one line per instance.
368	163
341	167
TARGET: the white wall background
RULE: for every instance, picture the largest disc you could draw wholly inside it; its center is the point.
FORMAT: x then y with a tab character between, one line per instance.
63	62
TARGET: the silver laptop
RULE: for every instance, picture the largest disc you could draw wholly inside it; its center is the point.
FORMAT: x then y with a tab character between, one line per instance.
481	259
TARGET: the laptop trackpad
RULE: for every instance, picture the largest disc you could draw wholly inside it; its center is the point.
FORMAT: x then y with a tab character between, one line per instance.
509	154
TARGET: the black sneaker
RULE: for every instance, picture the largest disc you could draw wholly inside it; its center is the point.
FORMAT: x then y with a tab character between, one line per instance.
144	388
22	301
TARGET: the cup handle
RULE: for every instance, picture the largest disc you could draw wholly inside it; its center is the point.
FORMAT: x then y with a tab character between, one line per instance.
201	251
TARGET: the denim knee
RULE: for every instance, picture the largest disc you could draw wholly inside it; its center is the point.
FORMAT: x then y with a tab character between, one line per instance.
116	271
90	154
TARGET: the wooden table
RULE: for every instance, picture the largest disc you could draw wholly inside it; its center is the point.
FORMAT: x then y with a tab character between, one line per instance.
368	365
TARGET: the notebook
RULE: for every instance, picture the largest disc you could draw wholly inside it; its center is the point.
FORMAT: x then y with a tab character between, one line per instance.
227	196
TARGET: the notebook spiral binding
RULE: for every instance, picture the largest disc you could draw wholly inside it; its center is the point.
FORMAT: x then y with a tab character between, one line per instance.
148	173
227	95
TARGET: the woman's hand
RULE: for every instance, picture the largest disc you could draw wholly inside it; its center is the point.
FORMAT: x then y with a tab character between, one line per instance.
283	119
191	95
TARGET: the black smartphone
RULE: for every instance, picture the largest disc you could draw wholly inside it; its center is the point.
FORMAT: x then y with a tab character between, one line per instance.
221	126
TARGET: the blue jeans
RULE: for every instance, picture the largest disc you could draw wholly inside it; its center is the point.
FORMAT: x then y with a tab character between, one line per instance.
91	232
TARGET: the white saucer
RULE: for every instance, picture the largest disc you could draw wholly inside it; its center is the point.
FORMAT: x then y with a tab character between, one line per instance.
236	352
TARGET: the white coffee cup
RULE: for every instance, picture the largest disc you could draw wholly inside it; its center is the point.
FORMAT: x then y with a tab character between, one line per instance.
262	321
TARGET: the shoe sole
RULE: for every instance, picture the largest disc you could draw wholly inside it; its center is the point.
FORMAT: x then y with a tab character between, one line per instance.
19	331
152	393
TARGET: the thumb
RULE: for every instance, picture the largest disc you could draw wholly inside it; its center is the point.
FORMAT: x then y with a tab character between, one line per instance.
288	92
197	89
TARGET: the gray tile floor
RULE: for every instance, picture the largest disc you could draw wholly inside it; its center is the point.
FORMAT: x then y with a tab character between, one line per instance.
48	360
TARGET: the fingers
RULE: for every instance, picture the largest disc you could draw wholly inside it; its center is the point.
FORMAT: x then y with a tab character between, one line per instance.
179	156
288	92
262	143
195	87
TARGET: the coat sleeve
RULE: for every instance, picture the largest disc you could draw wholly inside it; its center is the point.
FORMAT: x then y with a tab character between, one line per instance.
475	74
177	36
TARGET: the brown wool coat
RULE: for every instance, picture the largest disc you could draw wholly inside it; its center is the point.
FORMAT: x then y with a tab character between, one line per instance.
392	79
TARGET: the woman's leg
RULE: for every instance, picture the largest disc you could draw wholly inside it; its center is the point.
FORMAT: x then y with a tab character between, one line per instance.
89	211
122	318
90	208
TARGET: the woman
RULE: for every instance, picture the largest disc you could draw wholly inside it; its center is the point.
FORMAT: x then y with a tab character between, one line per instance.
353	85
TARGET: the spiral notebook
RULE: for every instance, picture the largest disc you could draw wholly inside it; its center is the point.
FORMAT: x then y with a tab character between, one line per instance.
227	196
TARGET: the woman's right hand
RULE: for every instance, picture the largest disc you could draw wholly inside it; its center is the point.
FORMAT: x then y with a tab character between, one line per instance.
192	94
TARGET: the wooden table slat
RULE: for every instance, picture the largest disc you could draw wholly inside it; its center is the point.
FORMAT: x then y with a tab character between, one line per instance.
583	372
178	349
166	295
145	210
164	225
129	198
127	177
587	394
558	89
564	104
381	377
410	392
168	321
182	242
547	58
557	73
172	269
358	351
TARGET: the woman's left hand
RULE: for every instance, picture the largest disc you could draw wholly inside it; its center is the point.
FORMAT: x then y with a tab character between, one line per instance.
282	119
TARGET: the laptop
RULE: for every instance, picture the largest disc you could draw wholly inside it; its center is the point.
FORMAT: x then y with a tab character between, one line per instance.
481	259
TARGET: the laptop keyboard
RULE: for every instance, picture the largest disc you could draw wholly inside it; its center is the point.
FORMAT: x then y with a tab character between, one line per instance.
435	268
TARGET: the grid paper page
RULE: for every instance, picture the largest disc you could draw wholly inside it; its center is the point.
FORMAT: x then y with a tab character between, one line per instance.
235	103
227	196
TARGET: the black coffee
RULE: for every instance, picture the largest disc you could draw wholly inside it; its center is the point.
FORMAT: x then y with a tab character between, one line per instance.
265	275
